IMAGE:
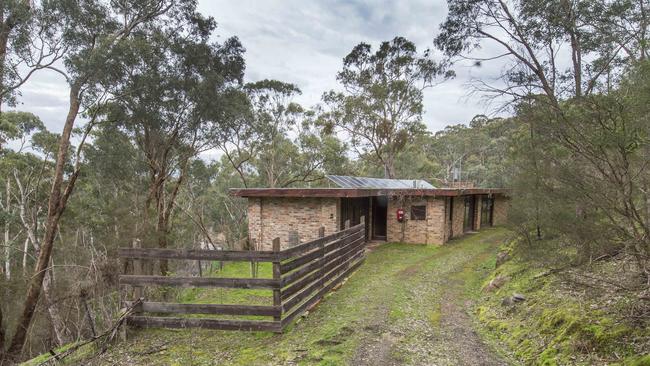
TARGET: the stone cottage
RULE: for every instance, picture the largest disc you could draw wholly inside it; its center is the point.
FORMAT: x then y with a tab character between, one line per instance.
395	210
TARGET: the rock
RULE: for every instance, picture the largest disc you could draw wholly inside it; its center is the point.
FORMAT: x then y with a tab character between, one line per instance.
518	297
502	257
507	301
496	283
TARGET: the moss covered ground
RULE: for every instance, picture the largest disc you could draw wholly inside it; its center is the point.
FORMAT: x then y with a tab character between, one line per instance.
561	322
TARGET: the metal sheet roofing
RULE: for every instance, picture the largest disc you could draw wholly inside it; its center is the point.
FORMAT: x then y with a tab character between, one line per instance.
344	181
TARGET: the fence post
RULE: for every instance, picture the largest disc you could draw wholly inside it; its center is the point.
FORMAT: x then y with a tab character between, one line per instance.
347	223
137	270
253	246
277	275
363	221
321	249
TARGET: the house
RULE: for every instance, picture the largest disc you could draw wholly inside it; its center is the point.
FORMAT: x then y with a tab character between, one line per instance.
395	210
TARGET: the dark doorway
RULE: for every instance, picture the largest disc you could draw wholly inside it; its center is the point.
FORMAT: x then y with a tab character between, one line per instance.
487	209
379	216
470	206
352	209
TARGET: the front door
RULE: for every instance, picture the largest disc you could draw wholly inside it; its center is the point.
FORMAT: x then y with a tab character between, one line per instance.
379	215
487	208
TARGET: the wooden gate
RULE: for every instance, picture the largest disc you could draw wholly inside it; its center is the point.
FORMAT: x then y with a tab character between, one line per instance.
302	275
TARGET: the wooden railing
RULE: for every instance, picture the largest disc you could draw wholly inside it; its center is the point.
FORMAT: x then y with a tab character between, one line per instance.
302	275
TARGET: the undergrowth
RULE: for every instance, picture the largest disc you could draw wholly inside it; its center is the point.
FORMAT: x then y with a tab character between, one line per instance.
561	322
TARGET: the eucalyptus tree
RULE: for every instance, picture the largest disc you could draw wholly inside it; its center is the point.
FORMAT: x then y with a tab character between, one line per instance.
172	83
274	116
29	42
537	38
89	33
381	105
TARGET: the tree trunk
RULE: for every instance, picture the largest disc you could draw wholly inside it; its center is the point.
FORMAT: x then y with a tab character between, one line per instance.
389	167
56	207
7	246
53	313
2	338
161	233
25	248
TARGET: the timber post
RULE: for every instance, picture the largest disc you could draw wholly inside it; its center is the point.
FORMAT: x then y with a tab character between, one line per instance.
277	275
137	270
321	249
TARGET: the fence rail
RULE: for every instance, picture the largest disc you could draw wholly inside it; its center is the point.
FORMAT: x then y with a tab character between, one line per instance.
302	275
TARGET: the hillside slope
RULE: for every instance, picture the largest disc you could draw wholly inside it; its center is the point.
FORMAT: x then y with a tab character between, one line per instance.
593	314
408	304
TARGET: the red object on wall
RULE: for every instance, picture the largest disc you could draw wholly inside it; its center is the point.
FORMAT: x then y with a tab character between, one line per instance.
400	214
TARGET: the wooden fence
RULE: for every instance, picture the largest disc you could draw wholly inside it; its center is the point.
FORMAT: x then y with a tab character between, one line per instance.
302	275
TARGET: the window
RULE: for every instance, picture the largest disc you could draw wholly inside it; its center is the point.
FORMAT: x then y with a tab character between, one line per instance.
419	212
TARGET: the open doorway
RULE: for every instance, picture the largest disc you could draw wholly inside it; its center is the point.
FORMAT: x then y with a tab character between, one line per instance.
470	206
379	216
352	209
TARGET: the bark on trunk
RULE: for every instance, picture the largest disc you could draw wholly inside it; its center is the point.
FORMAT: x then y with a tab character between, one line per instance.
53	313
7	246
2	337
56	206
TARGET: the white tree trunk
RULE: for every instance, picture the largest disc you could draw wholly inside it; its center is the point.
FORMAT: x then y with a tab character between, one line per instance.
7	243
58	325
25	248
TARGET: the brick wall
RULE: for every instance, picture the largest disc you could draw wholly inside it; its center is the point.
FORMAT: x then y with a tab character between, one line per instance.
428	231
500	215
447	221
300	218
286	218
458	215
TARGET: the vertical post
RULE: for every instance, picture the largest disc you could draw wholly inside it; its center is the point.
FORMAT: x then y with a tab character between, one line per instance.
252	246
277	275
363	221
137	269
347	223
321	249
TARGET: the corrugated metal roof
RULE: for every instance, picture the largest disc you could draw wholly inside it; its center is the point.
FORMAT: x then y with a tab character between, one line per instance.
344	181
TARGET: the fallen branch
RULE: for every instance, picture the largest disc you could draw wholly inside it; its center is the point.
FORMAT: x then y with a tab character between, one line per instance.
110	334
598	279
157	349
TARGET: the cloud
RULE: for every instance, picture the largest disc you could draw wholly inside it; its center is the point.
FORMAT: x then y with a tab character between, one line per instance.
304	42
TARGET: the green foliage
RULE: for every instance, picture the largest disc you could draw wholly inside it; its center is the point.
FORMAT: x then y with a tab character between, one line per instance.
554	325
381	108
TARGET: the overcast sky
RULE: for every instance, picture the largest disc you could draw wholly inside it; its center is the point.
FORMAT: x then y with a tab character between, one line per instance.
304	42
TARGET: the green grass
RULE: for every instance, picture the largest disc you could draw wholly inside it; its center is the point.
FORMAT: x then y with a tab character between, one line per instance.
395	296
554	326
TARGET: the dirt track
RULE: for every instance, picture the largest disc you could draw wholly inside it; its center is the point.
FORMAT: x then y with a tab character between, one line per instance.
407	305
443	333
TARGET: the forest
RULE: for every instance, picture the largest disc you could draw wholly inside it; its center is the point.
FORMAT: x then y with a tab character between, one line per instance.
151	94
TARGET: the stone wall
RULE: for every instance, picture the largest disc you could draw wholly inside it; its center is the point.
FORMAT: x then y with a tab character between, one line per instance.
428	231
447	220
298	219
293	220
458	215
500	213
